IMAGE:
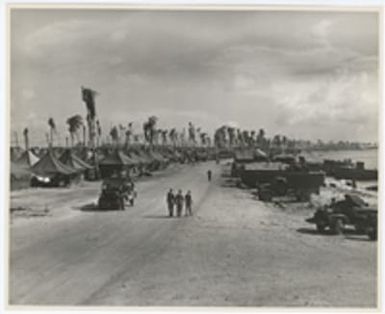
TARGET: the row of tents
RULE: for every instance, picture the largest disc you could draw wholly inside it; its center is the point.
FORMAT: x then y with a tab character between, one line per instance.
59	167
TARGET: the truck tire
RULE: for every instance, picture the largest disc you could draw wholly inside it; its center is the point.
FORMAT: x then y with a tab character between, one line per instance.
121	204
265	196
337	226
372	234
321	227
303	196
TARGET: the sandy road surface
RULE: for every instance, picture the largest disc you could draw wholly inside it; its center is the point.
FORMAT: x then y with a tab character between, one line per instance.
233	251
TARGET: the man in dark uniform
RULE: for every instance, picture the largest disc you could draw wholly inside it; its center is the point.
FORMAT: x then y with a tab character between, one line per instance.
188	202
170	202
209	175
179	199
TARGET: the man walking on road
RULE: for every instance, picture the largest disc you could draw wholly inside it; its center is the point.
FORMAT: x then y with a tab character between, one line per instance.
188	202
209	175
170	202
179	199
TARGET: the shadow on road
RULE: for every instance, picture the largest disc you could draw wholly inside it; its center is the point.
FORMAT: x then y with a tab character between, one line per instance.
312	231
91	207
352	234
359	238
158	217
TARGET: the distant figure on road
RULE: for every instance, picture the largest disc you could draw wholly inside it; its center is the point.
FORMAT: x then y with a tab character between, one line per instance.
188	202
170	202
179	199
209	175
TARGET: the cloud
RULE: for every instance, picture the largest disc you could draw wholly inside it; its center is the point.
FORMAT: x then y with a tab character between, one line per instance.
28	94
276	69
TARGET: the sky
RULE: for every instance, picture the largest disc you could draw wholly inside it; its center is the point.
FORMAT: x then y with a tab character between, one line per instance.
305	74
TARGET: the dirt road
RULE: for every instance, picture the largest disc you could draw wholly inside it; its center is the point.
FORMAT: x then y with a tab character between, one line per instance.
234	251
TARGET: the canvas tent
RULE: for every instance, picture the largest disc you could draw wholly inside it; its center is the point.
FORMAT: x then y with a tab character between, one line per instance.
27	159
20	176
70	159
115	162
50	171
15	152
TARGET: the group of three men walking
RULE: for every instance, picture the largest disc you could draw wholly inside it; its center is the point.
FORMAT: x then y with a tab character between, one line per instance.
178	201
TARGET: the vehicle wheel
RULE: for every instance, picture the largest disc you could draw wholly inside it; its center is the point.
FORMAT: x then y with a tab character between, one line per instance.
303	197
321	227
360	229
372	234
265	196
338	226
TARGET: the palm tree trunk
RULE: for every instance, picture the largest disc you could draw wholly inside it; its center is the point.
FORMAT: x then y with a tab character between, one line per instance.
47	139
26	140
51	136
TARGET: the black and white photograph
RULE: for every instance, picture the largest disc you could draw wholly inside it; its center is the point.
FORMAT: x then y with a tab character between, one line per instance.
210	157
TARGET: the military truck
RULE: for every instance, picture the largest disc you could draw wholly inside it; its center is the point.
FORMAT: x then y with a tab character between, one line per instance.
282	187
351	211
115	194
293	183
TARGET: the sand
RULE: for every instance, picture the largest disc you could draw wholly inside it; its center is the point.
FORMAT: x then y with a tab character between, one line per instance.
234	250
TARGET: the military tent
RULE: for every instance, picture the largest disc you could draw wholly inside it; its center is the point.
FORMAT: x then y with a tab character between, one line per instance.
50	171
20	176
27	159
70	159
115	162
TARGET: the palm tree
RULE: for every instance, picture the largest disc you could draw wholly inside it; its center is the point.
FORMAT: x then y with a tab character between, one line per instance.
277	141
26	138
231	134
84	133
164	136
204	138
220	137
240	138
284	142
74	124
261	138
128	133
52	129
114	133
252	137
246	137
173	136
149	129
191	133
99	132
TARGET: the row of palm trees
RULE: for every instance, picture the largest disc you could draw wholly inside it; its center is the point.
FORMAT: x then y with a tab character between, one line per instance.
231	137
125	135
224	137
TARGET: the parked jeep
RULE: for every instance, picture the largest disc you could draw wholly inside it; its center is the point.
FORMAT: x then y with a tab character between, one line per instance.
350	211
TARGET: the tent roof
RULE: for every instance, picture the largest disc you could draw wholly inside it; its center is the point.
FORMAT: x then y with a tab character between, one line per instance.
145	156
355	200
19	171
244	155
50	165
158	156
249	154
27	158
117	158
136	158
70	159
260	153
